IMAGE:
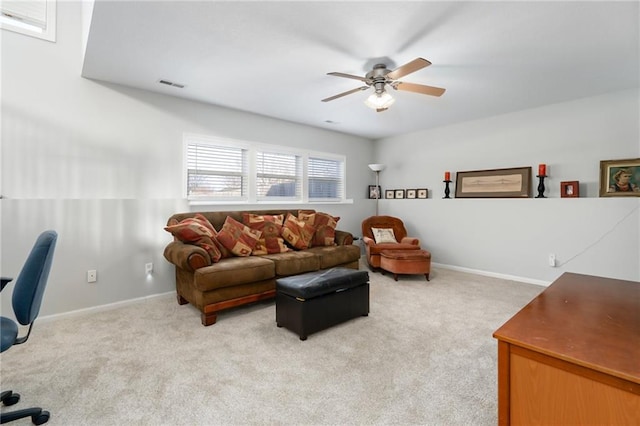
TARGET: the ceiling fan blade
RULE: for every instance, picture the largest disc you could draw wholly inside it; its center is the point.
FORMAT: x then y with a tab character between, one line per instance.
348	92
418	88
408	68
341	74
381	109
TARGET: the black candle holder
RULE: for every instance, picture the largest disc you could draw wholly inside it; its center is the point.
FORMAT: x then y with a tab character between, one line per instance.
541	186
446	188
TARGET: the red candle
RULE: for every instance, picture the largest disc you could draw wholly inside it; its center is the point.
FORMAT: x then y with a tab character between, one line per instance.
447	176
542	170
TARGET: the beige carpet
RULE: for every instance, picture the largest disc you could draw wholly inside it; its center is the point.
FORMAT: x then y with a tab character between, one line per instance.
424	355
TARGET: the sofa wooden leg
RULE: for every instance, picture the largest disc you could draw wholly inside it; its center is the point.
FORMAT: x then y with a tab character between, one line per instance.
395	277
427	275
182	300
208	319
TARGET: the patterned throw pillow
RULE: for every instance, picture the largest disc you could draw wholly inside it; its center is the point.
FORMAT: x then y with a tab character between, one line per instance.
198	231
270	226
297	233
325	225
384	235
238	238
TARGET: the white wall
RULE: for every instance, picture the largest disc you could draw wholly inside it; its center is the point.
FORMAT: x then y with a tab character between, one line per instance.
101	164
591	235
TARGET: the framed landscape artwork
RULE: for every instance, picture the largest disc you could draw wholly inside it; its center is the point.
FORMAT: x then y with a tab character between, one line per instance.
496	183
620	178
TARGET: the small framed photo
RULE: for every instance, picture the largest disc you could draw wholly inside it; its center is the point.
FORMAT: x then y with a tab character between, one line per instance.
389	193
570	189
399	193
411	193
620	178
422	193
374	192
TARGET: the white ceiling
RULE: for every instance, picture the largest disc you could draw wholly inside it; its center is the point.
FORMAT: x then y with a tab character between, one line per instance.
272	57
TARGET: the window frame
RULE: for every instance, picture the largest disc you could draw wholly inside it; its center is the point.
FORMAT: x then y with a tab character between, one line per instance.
252	149
47	33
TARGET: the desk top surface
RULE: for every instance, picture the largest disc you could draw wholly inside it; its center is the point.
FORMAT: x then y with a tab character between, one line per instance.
590	321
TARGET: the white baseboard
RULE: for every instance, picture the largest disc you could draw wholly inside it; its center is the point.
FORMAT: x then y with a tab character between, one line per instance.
100	308
492	274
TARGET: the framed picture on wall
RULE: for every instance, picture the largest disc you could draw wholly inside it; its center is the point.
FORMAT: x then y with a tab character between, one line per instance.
570	189
399	193
389	193
620	178
422	192
374	192
411	193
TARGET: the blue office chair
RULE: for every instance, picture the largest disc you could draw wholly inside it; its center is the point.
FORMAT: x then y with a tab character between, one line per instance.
27	298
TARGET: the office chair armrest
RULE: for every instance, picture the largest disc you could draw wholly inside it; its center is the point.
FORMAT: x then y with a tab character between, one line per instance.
4	281
187	256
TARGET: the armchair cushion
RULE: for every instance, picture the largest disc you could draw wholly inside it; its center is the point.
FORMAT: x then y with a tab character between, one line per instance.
384	235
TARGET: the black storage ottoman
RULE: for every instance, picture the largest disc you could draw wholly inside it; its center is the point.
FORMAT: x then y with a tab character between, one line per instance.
311	302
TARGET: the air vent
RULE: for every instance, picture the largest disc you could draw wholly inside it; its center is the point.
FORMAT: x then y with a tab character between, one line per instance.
171	83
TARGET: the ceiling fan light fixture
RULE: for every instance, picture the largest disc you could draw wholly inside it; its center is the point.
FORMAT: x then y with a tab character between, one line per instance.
379	101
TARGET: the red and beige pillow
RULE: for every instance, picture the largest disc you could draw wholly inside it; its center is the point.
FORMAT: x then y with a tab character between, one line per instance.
270	226
238	238
297	233
325	225
198	231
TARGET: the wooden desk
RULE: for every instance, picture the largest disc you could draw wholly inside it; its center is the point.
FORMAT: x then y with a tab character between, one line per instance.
572	355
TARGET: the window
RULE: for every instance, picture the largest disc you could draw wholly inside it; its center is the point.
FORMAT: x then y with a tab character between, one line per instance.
216	172
278	176
234	171
35	18
325	178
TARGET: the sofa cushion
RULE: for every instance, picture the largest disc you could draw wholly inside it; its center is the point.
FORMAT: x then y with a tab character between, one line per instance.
325	225
295	262
270	226
238	238
336	255
197	231
234	271
297	233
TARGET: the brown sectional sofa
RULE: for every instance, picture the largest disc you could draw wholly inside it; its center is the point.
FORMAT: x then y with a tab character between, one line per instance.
235	281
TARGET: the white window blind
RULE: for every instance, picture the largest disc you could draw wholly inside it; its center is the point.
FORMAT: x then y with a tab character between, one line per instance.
30	12
326	178
35	18
216	172
278	175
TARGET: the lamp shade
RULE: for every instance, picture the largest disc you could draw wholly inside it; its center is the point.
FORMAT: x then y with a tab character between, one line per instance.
377	167
379	100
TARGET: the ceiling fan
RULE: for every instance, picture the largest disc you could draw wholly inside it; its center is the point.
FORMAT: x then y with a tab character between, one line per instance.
380	76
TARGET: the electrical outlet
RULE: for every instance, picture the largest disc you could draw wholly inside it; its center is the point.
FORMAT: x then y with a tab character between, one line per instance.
148	268
552	260
92	276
